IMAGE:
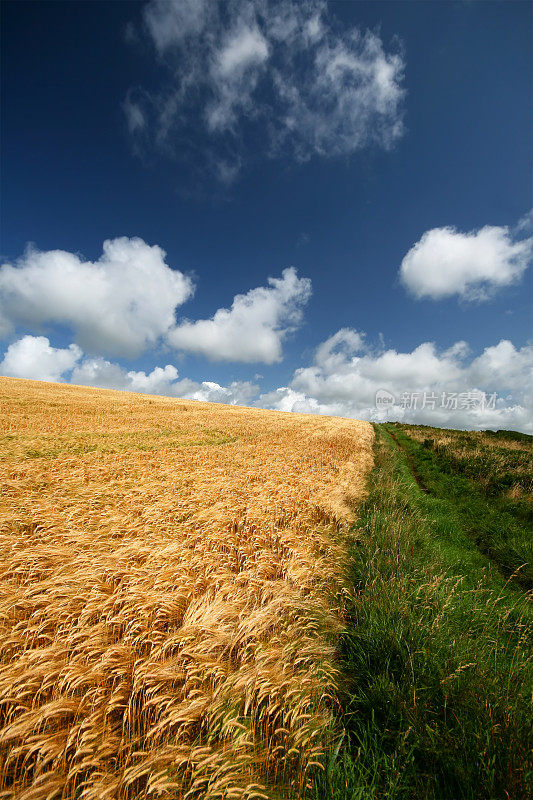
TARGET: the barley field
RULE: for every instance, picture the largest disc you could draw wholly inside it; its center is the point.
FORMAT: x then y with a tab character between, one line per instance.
172	578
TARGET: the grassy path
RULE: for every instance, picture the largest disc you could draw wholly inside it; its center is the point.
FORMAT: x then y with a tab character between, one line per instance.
507	539
410	460
436	655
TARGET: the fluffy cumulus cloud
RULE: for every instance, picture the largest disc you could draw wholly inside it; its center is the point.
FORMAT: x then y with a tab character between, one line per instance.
125	303
120	305
444	388
253	328
35	358
161	380
278	73
347	378
473	265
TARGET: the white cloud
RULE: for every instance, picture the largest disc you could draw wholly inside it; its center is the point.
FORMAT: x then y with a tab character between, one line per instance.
310	86
163	381
525	223
245	47
234	73
255	326
34	357
342	380
170	24
471	265
349	99
345	377
287	399
135	118
120	304
502	366
125	303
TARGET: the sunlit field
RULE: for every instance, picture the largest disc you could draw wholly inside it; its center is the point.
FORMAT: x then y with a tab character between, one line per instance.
500	462
171	593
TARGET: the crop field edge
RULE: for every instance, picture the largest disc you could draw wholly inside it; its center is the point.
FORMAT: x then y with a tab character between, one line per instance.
436	656
168	616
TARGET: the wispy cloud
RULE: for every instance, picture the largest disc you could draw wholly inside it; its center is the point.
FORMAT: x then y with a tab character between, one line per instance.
281	78
524	226
473	266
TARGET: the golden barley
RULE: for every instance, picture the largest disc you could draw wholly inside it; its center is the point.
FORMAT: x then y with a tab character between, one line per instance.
171	581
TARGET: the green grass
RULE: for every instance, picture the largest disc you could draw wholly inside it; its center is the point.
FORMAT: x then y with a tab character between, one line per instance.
499	463
436	655
497	525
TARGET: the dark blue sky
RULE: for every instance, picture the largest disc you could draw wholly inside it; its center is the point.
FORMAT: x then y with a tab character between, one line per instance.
70	178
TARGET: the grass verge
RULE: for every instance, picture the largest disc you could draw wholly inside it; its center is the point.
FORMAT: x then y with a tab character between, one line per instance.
436	656
493	524
499	463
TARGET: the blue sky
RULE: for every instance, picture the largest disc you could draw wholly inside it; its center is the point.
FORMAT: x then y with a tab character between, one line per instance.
381	149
